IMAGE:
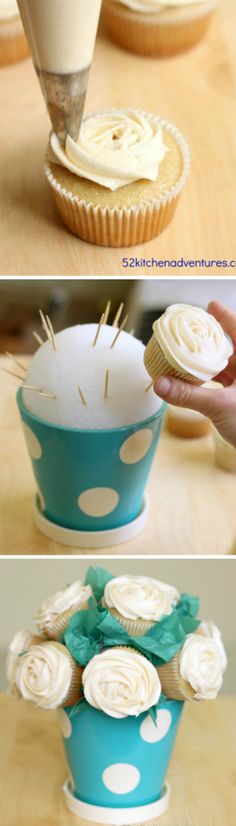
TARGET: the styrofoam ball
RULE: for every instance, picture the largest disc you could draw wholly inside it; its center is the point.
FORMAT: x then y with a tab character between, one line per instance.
76	362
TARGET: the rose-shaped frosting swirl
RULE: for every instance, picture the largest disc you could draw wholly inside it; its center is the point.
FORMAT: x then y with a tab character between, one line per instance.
73	596
44	675
140	597
209	629
114	148
20	643
153	6
201	665
8	9
192	339
121	682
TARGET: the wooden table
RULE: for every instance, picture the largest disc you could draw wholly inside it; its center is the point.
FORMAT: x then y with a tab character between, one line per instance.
196	91
201	773
192	503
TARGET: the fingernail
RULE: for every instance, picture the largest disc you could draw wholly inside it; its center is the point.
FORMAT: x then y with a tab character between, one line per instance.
162	387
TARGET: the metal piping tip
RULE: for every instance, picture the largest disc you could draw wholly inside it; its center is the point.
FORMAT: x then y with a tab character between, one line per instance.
64	95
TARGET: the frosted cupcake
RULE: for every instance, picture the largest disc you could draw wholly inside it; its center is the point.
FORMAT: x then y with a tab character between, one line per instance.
48	676
224	454
13	46
119	183
158	27
196	672
187	343
139	602
55	612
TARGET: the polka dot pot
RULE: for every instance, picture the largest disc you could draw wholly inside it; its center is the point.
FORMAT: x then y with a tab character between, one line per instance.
90	480
119	764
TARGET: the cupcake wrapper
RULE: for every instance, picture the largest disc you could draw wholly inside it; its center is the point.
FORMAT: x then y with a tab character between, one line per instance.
172	684
120	227
13	45
75	692
136	628
54	630
157	365
157	35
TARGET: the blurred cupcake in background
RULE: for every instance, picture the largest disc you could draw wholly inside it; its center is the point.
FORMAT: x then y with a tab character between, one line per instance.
189	424
13	46
158	28
224	453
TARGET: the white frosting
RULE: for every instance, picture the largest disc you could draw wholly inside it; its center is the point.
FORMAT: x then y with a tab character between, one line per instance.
114	148
202	665
210	630
72	597
44	675
60	33
8	9
76	362
121	683
192	340
140	597
20	643
154	6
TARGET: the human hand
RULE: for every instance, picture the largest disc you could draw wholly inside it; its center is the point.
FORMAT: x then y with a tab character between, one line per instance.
218	405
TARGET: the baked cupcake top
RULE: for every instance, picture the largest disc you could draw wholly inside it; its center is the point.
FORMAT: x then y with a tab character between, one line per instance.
154	6
192	339
8	9
140	597
114	148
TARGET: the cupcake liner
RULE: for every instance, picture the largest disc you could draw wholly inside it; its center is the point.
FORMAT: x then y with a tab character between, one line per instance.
157	35
136	628
124	227
75	692
172	684
13	45
157	365
225	454
55	628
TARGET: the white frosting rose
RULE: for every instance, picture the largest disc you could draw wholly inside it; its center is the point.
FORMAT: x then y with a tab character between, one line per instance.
121	683
72	597
114	148
201	665
20	643
153	6
140	597
8	9
192	339
44	675
210	630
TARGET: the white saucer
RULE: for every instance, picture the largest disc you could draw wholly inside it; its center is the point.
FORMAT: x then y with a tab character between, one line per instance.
116	817
90	539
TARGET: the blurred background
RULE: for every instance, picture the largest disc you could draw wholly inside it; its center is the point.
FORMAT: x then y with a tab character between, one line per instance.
81	301
25	584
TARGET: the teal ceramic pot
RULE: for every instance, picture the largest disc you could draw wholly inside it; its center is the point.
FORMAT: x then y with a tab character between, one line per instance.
90	480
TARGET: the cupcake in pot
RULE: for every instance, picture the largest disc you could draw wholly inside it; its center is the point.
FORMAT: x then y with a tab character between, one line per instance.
119	183
139	602
158	28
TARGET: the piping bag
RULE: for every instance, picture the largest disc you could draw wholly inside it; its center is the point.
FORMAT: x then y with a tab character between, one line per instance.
61	36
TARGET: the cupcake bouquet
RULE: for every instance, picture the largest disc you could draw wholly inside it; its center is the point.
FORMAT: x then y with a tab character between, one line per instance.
117	657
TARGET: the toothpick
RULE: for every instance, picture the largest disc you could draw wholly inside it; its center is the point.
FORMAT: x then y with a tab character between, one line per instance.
107	311
119	331
149	387
132	332
82	396
101	322
106	384
38	391
44	325
18	363
52	332
118	315
38	338
10	373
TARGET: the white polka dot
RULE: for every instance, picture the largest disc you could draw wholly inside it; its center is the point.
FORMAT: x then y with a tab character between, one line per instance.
98	501
136	446
65	724
33	444
152	733
42	505
121	778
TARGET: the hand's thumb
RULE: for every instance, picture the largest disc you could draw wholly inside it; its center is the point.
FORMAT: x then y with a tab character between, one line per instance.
183	394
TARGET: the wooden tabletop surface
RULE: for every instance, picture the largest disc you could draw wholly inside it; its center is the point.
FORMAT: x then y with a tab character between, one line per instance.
192	502
201	774
196	91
